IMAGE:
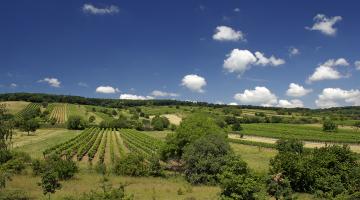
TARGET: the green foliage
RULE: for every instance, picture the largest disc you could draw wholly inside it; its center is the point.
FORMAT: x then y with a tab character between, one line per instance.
160	123
63	169
279	187
76	122
52	121
330	126
236	181
204	158
131	165
30	125
155	168
328	171
190	129
49	183
291	145
236	126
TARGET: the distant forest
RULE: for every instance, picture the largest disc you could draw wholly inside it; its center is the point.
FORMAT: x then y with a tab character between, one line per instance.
121	103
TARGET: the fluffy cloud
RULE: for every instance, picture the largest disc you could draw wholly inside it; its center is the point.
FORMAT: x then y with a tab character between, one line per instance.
107	90
91	9
293	51
225	33
53	82
357	64
135	97
294	103
238	61
194	82
13	85
324	24
259	96
272	61
327	71
158	93
296	90
237	10
233	104
332	97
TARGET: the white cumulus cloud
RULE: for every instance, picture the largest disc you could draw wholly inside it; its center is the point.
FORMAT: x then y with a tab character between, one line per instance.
327	70
264	61
239	61
325	25
333	97
293	51
225	33
91	9
135	97
294	103
194	82
296	90
259	96
13	85
53	82
357	64
158	93
233	104
107	90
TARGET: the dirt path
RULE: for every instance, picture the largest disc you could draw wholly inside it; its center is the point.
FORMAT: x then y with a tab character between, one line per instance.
307	144
107	158
116	145
121	143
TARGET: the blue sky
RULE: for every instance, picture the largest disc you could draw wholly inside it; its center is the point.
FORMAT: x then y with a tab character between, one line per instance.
244	52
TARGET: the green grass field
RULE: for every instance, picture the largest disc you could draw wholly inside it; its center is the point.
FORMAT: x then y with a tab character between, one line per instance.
302	132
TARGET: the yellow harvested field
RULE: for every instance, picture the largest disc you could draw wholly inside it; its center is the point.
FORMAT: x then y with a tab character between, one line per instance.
15	106
173	118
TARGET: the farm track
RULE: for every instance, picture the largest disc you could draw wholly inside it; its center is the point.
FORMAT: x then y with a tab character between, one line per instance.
307	144
107	159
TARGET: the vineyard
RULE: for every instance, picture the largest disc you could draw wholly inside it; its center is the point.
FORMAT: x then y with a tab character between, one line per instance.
58	112
30	108
98	145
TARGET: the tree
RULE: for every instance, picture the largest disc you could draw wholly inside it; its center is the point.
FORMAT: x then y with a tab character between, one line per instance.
49	183
204	158
76	122
29	125
279	187
190	129
159	123
92	118
237	126
131	165
329	126
236	181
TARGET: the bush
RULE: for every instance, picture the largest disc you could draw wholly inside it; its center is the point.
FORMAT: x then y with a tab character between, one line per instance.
204	158
190	129
328	171
92	118
131	165
329	126
236	181
64	169
76	123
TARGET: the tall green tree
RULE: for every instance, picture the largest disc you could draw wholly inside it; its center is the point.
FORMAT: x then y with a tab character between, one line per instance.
49	183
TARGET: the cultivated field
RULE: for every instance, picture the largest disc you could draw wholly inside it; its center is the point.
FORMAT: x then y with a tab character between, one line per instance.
59	112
